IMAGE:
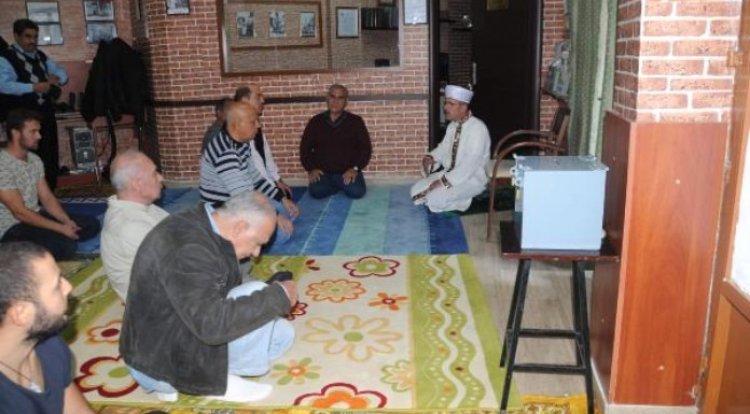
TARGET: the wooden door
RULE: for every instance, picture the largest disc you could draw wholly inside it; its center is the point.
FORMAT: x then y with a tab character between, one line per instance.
729	329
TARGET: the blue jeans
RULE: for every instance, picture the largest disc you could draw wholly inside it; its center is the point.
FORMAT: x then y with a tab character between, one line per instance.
59	245
249	355
330	184
280	236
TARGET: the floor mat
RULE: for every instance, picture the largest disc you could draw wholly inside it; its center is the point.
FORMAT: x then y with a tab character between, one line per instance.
374	333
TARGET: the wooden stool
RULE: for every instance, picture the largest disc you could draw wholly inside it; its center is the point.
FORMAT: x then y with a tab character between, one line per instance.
511	248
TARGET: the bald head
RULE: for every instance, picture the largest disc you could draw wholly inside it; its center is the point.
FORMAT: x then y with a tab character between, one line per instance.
242	121
253	95
135	177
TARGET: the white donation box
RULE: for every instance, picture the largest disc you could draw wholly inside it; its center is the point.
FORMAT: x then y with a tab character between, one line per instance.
559	202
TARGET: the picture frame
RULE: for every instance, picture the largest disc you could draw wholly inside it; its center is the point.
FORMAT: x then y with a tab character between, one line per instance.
245	24
98	31
415	11
177	7
50	34
347	22
41	12
307	24
98	10
275	25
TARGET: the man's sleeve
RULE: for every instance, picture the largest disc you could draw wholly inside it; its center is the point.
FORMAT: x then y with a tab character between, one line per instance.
9	84
193	291
271	168
365	145
54	69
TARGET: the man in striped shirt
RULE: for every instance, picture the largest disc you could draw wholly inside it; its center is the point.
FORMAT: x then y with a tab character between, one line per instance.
227	167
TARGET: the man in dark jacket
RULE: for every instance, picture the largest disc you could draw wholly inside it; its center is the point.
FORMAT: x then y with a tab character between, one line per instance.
189	324
335	148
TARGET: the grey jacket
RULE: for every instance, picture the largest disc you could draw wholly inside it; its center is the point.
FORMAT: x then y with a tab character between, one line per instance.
178	319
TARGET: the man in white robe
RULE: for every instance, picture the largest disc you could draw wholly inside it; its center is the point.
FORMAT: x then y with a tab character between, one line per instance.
462	154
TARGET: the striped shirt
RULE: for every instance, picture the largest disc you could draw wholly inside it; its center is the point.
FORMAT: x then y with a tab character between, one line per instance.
227	169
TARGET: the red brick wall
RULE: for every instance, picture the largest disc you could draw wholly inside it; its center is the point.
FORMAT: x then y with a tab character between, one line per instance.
671	59
554	31
184	56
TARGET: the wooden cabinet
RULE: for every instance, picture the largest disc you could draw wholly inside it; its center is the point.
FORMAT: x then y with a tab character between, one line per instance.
648	312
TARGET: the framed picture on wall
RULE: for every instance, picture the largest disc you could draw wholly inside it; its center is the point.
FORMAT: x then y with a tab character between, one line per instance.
276	24
46	14
347	22
307	24
43	12
96	10
178	6
96	32
50	34
246	25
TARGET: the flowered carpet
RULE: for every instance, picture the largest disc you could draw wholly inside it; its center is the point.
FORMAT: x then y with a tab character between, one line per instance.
374	334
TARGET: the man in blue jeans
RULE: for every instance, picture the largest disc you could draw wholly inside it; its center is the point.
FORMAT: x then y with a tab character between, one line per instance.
190	325
23	188
335	148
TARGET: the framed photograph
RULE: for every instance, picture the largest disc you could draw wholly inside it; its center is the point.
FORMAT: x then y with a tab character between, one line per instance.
415	11
347	22
264	24
246	25
276	24
178	6
96	32
43	11
98	10
307	25
50	34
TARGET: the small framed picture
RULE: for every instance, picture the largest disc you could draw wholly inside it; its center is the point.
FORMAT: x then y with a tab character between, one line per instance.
347	22
96	32
246	25
50	34
178	6
307	24
96	10
43	11
276	24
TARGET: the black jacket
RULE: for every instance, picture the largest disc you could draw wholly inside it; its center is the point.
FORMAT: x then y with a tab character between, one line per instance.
117	82
178	319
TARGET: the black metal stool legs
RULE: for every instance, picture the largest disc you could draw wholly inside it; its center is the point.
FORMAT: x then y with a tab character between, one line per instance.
514	326
584	347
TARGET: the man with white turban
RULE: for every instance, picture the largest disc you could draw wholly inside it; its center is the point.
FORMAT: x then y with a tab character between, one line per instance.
462	154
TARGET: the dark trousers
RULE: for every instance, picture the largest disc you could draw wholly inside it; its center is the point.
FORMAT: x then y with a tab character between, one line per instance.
330	184
59	245
49	150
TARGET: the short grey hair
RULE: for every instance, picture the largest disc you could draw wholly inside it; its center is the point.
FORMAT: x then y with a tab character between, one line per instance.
249	206
124	169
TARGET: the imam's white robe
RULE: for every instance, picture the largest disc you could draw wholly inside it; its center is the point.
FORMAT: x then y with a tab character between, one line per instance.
468	178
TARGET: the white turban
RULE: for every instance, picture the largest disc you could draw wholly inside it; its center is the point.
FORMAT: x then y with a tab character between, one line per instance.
458	93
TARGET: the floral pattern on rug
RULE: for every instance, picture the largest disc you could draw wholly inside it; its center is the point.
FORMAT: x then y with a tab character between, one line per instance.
390	334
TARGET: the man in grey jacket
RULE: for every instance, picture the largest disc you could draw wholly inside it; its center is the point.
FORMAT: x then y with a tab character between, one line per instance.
189	324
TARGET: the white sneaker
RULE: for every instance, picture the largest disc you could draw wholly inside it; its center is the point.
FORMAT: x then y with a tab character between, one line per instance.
167	396
241	390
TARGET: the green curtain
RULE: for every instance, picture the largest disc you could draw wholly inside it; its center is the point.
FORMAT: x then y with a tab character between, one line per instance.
592	54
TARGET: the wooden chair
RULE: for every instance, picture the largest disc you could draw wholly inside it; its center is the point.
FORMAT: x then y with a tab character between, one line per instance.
550	142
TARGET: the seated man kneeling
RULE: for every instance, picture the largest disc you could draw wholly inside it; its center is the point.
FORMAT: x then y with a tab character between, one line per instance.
130	215
335	148
189	324
23	188
462	154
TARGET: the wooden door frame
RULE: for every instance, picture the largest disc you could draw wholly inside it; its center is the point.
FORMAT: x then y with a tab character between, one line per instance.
733	179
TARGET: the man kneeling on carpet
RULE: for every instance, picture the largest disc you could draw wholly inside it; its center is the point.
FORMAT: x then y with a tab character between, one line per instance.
130	215
189	325
462	154
35	363
23	188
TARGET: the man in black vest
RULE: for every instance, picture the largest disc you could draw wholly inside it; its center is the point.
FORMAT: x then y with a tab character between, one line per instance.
31	80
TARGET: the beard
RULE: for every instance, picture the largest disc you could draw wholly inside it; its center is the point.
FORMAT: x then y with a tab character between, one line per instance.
46	325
